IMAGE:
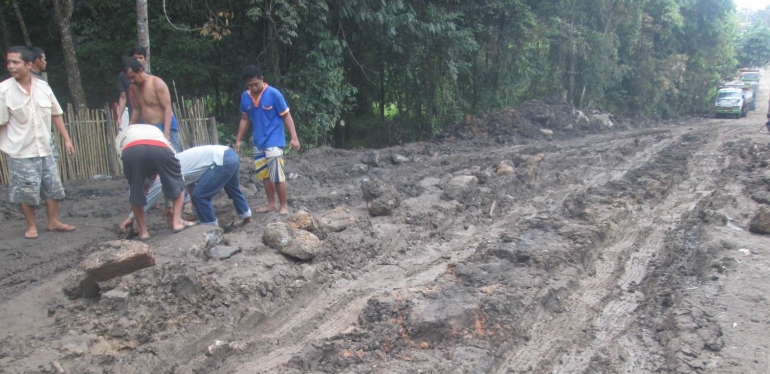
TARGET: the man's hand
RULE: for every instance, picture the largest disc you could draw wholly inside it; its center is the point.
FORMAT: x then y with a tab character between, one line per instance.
294	144
70	148
167	135
237	146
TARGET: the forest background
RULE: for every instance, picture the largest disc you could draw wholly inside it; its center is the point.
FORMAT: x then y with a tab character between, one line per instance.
378	72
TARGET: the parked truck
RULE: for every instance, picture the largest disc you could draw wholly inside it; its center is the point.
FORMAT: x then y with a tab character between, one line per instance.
734	99
750	77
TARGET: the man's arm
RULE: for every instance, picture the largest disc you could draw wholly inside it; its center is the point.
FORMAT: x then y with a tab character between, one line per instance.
58	123
121	107
289	122
164	97
243	125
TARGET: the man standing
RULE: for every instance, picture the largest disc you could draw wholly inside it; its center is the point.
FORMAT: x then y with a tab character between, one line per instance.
265	108
146	153
38	67
27	107
124	87
152	101
38	63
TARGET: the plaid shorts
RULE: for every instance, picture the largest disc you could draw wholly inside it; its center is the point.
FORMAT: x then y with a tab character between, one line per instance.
33	178
269	164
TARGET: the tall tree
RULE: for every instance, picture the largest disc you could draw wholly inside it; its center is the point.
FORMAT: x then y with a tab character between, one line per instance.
143	29
63	10
5	41
22	24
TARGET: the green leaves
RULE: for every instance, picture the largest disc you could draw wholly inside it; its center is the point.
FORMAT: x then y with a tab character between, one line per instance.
754	46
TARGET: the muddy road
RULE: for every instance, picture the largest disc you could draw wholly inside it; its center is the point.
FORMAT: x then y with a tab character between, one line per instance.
609	250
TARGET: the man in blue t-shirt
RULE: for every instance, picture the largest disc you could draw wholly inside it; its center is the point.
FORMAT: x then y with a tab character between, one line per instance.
265	108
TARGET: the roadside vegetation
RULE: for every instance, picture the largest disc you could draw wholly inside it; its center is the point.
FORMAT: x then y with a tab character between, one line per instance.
369	72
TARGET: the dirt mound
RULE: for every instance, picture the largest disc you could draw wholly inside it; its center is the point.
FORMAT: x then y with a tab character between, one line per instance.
533	120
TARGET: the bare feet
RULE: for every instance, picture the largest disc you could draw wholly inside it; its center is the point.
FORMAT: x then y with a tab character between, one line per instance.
284	210
168	215
126	225
31	233
183	225
267	208
58	226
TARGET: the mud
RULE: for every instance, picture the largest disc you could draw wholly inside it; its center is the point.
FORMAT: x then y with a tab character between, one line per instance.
597	249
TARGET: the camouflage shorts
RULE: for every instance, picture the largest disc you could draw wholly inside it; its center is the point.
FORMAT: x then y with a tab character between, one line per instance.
54	150
33	178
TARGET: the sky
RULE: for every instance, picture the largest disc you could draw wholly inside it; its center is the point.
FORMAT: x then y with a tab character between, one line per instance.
752	4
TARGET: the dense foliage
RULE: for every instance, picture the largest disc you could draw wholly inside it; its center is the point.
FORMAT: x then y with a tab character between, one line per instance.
375	72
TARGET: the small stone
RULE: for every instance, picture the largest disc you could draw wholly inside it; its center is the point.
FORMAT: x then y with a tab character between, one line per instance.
337	219
760	224
547	131
484	176
358	169
605	119
459	186
381	199
116	299
76	345
371	159
371	189
399	159
223	252
762	198
116	295
505	168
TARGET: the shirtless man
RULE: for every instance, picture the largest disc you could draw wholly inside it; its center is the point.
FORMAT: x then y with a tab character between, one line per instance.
152	101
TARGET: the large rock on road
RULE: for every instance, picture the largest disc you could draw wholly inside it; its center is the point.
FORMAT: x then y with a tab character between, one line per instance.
292	242
381	198
110	260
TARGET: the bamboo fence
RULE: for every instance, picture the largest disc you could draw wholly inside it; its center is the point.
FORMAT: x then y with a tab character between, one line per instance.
93	135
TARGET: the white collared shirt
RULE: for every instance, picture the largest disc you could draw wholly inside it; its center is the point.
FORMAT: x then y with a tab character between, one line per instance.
25	118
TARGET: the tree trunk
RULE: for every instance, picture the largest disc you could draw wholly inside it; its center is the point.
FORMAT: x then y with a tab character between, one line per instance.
21	23
143	30
382	90
63	10
4	39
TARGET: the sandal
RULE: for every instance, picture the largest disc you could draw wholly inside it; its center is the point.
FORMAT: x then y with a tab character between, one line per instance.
236	224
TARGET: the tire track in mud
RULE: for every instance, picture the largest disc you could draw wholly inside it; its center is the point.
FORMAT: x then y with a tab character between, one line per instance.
606	305
332	311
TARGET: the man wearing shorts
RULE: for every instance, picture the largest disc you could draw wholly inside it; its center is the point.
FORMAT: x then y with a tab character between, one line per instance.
265	108
146	154
27	108
38	67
